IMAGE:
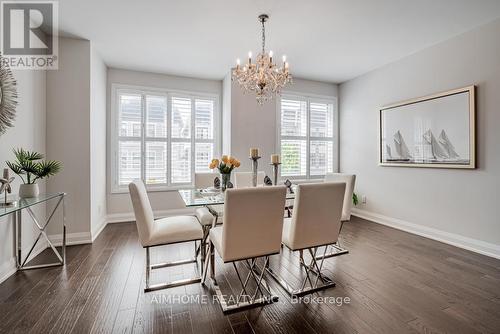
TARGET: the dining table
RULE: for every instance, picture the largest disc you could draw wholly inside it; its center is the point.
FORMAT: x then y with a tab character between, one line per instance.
209	198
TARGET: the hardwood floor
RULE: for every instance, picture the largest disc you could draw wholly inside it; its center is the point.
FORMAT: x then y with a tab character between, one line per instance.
395	282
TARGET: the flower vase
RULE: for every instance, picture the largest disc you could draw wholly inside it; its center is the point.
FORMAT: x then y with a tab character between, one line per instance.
225	178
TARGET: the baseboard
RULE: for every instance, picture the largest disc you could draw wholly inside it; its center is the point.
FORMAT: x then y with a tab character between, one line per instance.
9	268
474	245
72	238
98	229
129	216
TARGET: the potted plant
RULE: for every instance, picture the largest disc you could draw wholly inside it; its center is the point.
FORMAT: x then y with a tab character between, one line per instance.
30	167
225	167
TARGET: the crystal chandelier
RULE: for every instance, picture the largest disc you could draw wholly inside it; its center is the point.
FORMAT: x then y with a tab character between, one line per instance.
263	77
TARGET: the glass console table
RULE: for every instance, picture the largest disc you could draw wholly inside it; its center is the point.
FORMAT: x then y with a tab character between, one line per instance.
27	205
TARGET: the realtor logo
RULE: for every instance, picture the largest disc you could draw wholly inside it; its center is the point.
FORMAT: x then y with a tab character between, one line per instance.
29	34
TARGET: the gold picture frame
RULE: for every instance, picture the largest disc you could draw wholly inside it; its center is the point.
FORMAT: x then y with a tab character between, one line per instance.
421	117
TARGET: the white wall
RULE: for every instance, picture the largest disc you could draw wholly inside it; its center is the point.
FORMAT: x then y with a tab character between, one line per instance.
119	206
68	133
97	142
29	133
456	206
253	125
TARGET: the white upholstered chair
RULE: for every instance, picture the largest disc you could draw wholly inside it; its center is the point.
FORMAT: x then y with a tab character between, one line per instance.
253	223
166	231
315	222
349	180
244	179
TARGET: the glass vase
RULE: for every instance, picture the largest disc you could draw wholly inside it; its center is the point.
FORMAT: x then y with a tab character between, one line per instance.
224	180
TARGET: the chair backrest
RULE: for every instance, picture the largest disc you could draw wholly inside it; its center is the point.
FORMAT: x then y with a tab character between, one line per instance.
316	215
244	179
144	217
204	180
349	180
253	222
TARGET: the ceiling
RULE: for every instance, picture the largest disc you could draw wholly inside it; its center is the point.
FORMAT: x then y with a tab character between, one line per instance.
327	40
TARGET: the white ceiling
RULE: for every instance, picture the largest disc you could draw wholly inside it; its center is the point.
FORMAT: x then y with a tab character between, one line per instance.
328	40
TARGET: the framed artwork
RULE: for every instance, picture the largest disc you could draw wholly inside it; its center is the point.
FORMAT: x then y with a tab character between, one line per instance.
432	131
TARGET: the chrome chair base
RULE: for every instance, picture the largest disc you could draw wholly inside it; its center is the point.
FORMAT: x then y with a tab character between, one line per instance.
206	230
310	268
172	284
337	250
263	294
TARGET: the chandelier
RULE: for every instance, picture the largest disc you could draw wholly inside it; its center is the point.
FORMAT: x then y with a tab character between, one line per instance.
264	77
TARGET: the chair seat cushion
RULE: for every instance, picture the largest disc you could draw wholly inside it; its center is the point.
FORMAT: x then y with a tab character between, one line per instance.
205	217
175	229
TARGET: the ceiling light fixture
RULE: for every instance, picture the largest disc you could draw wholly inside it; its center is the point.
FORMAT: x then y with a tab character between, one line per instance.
263	77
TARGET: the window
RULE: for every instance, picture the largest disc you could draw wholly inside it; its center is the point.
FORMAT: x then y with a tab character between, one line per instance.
307	137
162	137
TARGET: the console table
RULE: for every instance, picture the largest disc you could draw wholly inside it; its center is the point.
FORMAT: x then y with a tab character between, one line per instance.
27	205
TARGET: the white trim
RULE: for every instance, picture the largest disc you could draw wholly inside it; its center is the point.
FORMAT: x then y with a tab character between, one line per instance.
98	229
308	98
474	245
78	238
168	93
9	267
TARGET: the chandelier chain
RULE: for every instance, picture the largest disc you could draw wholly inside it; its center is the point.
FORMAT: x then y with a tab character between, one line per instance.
263	36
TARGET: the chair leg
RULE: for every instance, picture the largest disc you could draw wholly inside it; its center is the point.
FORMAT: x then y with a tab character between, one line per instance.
205	269
337	249
245	298
309	268
212	260
148	267
167	285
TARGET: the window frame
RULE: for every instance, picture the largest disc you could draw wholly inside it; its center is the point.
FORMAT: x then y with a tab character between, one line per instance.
309	98
115	138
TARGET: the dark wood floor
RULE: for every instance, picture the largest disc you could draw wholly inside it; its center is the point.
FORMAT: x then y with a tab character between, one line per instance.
396	283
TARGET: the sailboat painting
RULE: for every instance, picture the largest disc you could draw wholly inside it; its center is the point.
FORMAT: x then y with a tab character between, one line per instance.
432	131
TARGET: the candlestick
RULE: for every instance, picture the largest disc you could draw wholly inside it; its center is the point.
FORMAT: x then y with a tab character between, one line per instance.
6	173
254	152
255	165
276	166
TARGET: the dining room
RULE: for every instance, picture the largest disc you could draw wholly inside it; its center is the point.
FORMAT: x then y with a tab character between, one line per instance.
249	167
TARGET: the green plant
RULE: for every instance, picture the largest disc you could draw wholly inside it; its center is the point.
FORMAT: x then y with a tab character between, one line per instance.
355	200
27	164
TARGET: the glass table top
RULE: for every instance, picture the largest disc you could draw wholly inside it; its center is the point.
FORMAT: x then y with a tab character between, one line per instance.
22	203
210	196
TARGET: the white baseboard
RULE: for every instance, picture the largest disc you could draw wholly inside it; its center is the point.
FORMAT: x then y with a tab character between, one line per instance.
129	216
78	238
474	245
98	229
8	268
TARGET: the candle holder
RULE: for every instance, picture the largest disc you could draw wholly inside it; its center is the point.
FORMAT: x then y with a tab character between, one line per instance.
276	166
255	165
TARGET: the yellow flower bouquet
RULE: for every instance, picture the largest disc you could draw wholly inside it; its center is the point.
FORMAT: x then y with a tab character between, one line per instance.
225	167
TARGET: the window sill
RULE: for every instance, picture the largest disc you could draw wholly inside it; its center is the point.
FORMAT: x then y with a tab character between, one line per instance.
154	189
